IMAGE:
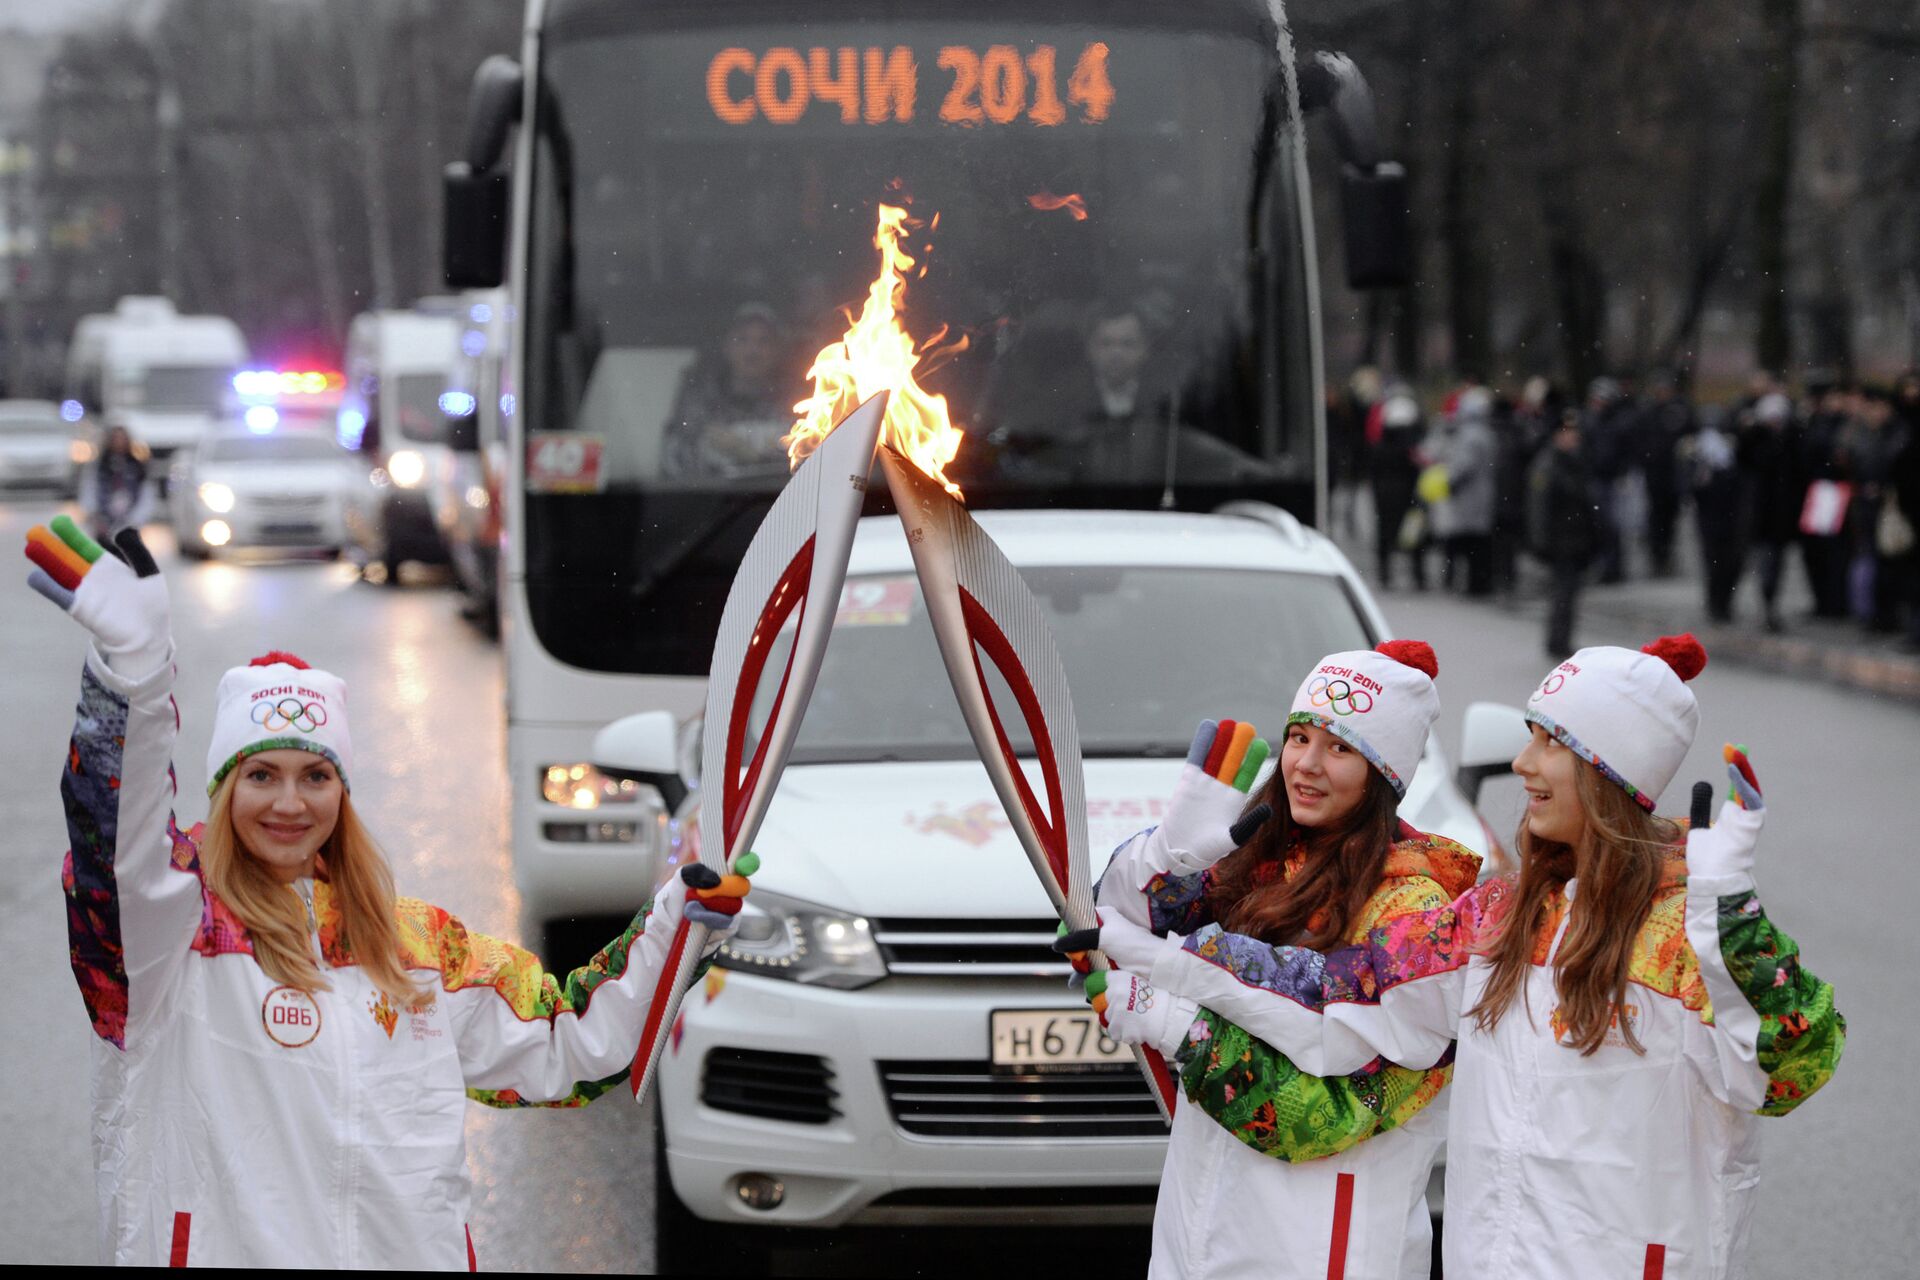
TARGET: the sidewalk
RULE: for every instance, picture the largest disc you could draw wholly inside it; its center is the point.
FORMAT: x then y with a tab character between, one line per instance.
1838	652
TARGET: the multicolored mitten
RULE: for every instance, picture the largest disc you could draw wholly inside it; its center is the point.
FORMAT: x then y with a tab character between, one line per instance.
1221	766
715	900
1727	848
119	597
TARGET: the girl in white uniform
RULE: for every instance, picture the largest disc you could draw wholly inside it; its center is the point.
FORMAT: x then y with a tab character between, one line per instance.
283	1048
1271	1171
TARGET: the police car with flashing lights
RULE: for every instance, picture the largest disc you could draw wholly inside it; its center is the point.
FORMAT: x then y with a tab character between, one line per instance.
887	1038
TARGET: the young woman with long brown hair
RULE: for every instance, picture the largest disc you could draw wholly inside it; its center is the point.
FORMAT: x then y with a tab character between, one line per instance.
284	1047
1623	1007
1271	1171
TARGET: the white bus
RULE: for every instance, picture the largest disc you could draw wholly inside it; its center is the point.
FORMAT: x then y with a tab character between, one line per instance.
165	377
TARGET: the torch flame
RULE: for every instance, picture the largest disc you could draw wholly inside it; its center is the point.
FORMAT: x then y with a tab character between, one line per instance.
1072	203
877	354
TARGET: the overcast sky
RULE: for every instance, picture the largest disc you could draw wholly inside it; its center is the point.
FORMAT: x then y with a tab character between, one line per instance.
51	15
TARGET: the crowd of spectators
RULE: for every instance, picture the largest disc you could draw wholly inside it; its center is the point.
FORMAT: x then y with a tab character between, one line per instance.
1601	490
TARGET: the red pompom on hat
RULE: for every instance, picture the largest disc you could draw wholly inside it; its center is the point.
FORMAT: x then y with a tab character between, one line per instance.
276	655
1683	653
1417	654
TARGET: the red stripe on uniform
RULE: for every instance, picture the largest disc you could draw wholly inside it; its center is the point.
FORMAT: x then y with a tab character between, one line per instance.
1656	1262
182	1228
473	1260
1342	1222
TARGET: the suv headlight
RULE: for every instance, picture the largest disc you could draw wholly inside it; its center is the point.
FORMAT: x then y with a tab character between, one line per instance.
582	786
781	937
217	498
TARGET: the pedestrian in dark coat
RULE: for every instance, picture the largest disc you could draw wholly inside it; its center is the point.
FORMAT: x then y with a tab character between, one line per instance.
1821	458
1664	424
1713	477
1768	453
1393	470
1606	433
1562	525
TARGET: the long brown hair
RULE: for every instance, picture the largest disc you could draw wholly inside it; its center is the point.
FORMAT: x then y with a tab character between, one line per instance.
276	919
1251	895
1619	861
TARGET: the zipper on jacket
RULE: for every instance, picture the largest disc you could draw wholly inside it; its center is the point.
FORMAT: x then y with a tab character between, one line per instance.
304	888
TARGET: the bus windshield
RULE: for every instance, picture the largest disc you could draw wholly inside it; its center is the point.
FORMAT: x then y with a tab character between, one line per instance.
1093	201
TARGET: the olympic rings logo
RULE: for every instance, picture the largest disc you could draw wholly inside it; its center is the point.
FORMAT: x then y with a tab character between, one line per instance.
289	713
1339	696
1553	683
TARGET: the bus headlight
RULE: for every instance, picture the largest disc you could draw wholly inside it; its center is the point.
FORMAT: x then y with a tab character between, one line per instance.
780	937
407	468
581	786
216	497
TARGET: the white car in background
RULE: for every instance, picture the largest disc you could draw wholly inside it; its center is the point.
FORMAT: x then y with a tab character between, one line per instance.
39	448
858	1056
282	489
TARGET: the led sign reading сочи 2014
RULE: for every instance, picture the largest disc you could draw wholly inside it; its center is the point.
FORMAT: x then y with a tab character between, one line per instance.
995	85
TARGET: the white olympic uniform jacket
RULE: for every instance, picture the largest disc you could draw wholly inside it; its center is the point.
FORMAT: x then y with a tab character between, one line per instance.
1272	1172
242	1123
1562	1166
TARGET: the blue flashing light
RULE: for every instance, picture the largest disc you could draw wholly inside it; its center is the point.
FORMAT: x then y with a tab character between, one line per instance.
473	342
506	404
72	410
457	404
262	418
351	428
480	313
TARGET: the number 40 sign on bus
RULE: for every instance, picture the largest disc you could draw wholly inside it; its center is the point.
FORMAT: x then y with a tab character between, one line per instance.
564	462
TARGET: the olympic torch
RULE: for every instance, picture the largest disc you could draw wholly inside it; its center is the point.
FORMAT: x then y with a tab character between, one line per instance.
977	603
797	562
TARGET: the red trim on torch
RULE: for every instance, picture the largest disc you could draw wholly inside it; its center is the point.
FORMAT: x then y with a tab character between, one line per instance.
182	1229
657	1011
788	593
1656	1264
1342	1227
986	634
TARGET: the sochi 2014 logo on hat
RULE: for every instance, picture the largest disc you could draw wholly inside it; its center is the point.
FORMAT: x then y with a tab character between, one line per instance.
1343	691
1556	679
290	1017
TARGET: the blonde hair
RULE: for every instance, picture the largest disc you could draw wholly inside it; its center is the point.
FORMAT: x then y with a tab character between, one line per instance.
1619	861
276	919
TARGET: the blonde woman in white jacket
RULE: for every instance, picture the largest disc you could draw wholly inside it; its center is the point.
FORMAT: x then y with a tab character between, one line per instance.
284	1049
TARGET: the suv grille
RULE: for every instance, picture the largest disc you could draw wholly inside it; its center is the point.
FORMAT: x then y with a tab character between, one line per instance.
796	1087
969	948
972	1100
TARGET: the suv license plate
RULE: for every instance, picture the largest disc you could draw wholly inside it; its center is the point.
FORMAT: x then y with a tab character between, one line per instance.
1047	1039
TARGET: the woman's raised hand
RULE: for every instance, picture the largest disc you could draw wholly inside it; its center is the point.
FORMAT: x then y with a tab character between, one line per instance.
1727	847
114	591
1221	766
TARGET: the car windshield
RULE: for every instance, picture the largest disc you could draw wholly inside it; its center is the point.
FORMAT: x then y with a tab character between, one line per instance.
19	422
418	397
275	448
200	387
1138	689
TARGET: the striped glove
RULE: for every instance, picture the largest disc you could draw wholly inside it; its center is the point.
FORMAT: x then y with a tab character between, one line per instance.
1727	848
715	900
1209	798
116	592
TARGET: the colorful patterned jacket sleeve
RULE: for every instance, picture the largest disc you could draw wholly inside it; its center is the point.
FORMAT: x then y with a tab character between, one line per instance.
527	1037
1396	995
1259	1096
131	914
1138	888
1775	1037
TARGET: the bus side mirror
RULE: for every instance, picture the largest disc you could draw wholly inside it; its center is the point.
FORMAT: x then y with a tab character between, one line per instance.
463	433
474	233
1491	737
1373	190
475	188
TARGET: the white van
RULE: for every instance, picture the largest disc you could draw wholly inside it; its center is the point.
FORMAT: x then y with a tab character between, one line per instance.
399	366
165	377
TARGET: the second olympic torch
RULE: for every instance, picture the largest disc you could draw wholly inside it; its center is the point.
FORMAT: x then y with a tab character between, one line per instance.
977	603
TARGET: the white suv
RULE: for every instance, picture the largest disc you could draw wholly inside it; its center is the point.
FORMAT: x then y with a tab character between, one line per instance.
840	1064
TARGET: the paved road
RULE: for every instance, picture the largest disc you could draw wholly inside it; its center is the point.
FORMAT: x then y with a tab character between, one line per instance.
572	1190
